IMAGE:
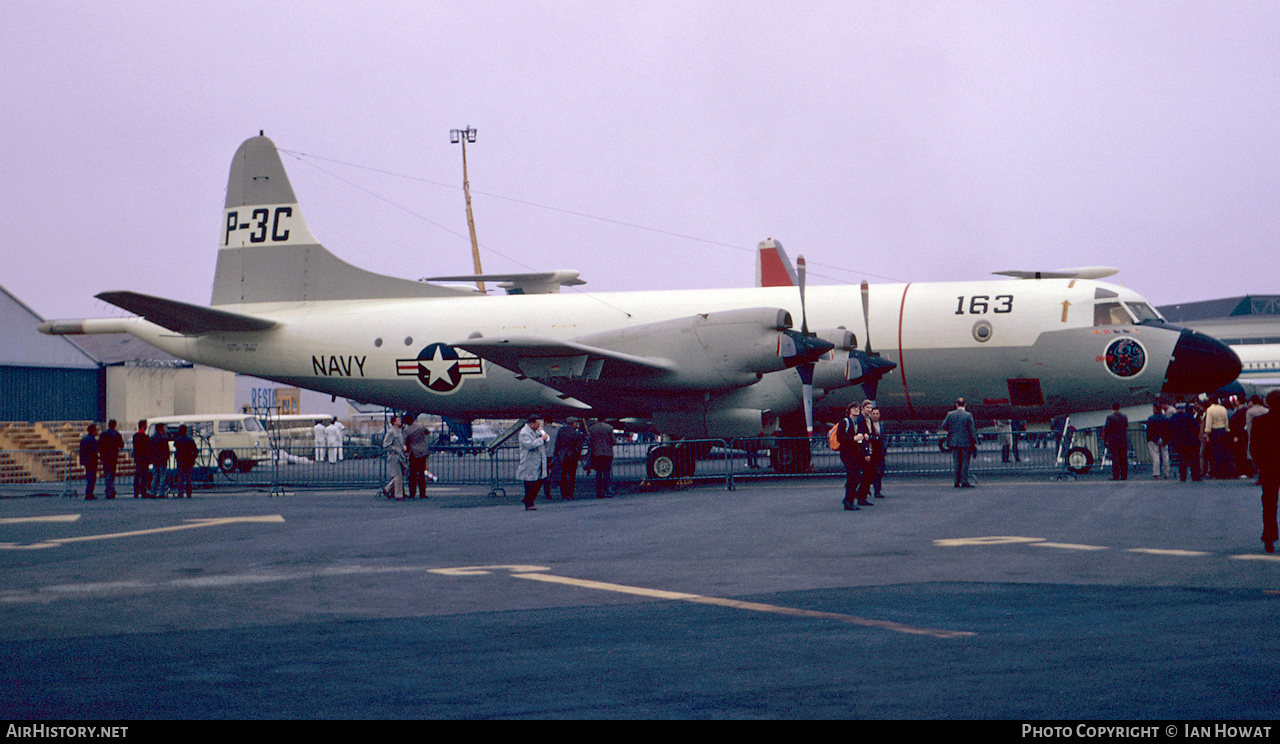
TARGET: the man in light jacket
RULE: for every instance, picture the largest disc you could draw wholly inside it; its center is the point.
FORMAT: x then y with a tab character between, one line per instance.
533	459
397	460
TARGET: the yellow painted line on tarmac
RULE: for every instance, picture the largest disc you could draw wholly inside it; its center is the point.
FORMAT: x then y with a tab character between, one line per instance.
191	524
955	542
537	573
53	518
1257	557
1070	546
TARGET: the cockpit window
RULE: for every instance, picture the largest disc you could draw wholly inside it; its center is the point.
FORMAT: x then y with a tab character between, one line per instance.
1142	311
1110	313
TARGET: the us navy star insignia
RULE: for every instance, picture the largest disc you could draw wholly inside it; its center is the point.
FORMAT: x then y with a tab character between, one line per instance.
440	367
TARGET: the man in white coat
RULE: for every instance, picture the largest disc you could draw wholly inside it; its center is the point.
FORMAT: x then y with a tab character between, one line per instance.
533	459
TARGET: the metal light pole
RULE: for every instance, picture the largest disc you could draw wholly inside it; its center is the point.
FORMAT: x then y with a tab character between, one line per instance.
464	136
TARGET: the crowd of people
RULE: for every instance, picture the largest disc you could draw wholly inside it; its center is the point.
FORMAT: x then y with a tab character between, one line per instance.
1209	439
328	440
1203	439
859	438
150	460
1213	438
549	457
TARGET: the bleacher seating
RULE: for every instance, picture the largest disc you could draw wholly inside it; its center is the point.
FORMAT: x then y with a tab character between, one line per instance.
47	451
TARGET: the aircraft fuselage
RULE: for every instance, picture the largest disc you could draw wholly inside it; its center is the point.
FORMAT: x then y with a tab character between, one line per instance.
1025	349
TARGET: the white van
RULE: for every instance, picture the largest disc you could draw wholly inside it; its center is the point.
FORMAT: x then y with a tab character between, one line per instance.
232	441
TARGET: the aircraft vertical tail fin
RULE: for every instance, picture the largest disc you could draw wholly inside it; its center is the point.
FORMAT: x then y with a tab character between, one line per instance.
267	253
773	267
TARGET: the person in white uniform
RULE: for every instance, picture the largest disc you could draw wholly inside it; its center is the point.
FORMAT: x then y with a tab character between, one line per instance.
333	438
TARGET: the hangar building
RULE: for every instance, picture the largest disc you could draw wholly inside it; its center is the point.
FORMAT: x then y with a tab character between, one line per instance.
97	377
44	378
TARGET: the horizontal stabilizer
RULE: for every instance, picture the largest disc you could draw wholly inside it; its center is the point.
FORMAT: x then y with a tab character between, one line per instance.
1080	272
539	282
181	317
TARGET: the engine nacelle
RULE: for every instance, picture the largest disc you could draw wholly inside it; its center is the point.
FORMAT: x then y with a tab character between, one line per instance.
712	351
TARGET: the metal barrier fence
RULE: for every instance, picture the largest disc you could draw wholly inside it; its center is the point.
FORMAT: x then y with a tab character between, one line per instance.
906	453
364	466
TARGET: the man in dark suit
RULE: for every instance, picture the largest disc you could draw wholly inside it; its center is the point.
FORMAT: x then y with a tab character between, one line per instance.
141	460
109	446
185	454
89	460
569	443
415	438
962	440
1115	432
159	449
1184	442
600	452
1264	446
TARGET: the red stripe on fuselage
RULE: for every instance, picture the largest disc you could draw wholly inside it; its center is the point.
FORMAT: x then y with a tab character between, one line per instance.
902	360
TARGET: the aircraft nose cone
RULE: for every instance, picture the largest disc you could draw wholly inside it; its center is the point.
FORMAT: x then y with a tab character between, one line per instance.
1200	363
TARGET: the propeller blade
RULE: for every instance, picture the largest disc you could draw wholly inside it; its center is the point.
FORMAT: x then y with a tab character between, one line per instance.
804	316
866	315
806	388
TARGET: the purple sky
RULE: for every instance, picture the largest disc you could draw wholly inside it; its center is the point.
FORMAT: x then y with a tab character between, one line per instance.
887	140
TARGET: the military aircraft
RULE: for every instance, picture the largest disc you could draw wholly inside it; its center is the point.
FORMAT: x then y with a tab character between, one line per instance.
693	364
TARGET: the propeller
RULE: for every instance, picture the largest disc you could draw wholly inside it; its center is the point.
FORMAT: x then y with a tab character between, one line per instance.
867	367
806	369
803	349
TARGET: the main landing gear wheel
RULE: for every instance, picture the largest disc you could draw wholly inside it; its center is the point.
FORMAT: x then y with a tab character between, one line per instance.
670	461
1079	460
791	456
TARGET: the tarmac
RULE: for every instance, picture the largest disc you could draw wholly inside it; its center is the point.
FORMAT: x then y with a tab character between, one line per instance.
1026	598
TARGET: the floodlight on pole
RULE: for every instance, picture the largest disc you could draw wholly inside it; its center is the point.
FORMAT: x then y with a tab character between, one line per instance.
464	136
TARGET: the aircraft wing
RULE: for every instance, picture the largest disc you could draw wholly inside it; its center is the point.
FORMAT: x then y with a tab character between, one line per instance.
550	359
184	318
705	353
